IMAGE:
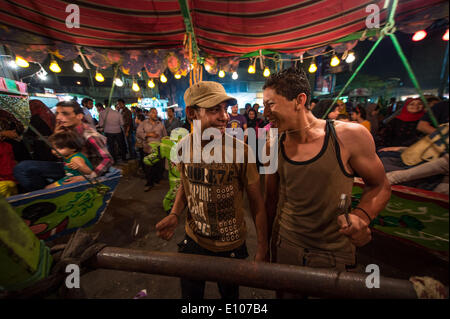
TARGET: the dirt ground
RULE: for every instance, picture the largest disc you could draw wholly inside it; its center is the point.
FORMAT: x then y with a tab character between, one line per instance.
129	222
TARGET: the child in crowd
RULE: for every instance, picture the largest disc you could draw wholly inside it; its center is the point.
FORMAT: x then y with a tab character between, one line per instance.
69	146
7	163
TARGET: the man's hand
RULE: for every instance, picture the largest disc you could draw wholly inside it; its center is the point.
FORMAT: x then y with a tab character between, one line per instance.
166	227
359	231
74	179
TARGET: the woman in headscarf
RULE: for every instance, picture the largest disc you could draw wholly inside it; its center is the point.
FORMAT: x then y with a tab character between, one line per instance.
401	131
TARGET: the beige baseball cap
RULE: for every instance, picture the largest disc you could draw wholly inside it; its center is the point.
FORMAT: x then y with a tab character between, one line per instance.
207	94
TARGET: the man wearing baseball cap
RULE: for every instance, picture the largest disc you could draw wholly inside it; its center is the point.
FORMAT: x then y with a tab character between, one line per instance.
213	192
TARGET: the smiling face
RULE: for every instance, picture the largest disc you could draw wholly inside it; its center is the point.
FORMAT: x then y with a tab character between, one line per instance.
65	116
415	106
280	110
216	116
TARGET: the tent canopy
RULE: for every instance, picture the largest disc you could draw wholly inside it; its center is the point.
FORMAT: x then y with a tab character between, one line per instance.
221	28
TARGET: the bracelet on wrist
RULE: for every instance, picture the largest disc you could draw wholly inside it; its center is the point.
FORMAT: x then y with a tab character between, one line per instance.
365	213
176	215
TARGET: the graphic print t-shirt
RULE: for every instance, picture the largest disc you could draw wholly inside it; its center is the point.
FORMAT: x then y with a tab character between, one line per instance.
214	193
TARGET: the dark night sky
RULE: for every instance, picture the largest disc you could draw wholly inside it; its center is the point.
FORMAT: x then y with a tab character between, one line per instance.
425	57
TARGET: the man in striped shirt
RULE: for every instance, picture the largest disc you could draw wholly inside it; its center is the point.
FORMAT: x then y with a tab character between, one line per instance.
34	175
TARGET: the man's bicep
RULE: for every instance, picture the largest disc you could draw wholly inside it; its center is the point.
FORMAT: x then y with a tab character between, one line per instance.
365	162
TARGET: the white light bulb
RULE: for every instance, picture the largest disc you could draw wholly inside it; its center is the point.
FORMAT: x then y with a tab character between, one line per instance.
77	67
118	82
350	57
235	76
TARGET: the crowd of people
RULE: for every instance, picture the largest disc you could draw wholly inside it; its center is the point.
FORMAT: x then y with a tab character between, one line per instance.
321	148
122	134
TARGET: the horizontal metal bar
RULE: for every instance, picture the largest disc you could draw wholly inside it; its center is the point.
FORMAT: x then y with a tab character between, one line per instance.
301	280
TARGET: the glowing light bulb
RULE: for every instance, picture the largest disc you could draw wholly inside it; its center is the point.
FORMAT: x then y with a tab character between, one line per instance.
163	78
419	35
135	87
118	82
177	76
350	57
251	69
234	76
207	67
266	72
151	84
99	77
54	67
79	82
221	74
335	61
22	62
445	36
312	67
77	67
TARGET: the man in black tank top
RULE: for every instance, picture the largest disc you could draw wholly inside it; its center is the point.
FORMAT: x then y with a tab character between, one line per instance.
316	164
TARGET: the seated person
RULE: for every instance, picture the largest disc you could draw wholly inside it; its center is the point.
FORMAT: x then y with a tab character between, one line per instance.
34	175
7	162
422	165
68	145
436	167
401	131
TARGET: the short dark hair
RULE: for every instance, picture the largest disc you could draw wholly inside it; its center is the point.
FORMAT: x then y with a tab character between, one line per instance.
86	100
361	111
247	105
141	117
73	104
321	107
67	138
290	83
314	101
121	100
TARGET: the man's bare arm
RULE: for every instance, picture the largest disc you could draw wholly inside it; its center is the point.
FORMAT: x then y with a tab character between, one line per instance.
260	219
271	200
377	190
367	164
166	227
